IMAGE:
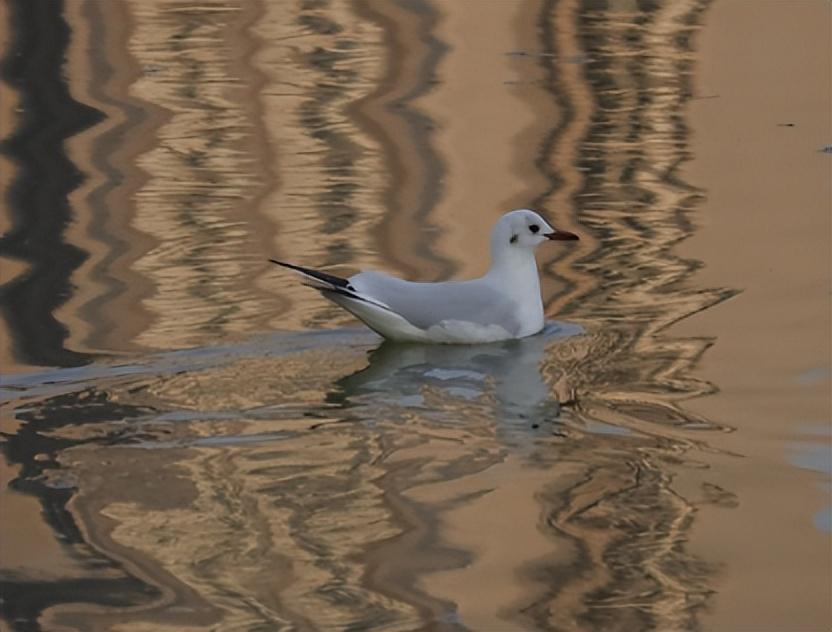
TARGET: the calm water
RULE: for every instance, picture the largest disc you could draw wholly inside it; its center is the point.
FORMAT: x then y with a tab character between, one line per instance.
194	441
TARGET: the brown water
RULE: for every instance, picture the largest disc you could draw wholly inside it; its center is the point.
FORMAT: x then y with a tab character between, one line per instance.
192	440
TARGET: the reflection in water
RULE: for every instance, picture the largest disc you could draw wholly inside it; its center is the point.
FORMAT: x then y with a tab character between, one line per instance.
289	482
37	202
398	375
203	173
283	496
624	183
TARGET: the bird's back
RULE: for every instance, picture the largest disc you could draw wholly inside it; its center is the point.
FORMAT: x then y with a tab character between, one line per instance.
426	305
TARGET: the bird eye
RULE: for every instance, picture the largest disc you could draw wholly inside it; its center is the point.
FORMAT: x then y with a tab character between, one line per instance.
534	228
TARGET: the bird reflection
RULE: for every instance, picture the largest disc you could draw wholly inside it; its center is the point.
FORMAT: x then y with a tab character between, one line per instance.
506	376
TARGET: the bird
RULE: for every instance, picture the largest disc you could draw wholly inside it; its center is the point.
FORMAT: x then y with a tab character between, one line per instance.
503	304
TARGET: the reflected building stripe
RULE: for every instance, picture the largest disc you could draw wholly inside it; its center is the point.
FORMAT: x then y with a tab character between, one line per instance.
319	61
618	156
105	312
36	200
484	118
562	60
10	268
395	116
202	175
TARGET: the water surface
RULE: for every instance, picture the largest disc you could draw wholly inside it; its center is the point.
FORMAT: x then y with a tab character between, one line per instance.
192	440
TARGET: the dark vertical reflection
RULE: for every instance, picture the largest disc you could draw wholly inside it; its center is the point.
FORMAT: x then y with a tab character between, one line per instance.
37	198
405	136
103	580
622	74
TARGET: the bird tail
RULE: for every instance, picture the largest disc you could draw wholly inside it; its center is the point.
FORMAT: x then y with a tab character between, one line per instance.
329	284
315	278
374	313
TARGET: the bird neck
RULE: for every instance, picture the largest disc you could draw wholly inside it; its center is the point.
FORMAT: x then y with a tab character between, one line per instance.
515	267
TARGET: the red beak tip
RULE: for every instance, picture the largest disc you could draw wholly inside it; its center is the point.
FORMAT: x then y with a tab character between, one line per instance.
562	235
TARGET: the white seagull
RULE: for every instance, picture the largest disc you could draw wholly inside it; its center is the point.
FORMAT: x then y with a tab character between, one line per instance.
503	304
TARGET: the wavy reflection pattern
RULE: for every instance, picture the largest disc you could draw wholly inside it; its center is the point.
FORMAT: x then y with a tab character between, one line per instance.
203	172
234	131
35	204
290	483
622	177
317	60
105	310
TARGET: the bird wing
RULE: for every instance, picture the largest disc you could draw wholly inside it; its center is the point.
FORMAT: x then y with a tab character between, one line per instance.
428	304
400	309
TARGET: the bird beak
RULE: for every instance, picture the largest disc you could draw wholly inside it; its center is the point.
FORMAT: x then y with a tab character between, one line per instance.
561	235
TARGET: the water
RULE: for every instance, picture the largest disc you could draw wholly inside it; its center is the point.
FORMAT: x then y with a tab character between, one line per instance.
192	440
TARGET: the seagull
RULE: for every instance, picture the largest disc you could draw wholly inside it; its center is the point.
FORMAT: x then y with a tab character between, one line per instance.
503	304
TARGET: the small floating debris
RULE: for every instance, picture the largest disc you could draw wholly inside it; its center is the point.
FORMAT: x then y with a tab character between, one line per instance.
786	124
517	82
528	53
570	59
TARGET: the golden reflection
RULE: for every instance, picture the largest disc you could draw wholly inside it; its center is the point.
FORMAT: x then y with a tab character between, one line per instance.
290	482
391	115
105	312
490	123
202	173
316	60
375	493
624	96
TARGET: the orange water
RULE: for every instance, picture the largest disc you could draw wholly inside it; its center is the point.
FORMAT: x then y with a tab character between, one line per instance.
192	440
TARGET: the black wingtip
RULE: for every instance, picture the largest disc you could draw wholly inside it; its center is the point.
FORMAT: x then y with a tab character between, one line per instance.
316	274
292	266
